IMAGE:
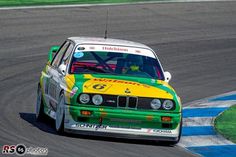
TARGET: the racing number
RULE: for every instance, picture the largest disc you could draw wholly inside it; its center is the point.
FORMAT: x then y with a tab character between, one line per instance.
99	86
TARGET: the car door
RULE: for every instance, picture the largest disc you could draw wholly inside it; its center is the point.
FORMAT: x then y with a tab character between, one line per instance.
57	79
54	76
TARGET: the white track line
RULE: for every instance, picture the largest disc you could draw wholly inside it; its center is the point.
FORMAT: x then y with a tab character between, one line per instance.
104	4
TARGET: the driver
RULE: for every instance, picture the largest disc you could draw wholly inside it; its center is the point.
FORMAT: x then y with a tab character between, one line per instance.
133	64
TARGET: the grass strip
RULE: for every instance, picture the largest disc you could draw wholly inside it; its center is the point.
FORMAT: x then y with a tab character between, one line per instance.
8	3
225	124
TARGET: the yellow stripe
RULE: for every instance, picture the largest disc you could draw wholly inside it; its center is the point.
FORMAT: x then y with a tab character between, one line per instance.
70	80
121	87
88	76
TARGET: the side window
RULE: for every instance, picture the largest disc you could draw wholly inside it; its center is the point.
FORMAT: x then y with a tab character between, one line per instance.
57	59
67	54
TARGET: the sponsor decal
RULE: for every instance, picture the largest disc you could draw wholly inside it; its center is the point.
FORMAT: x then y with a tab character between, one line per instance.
112	48
21	149
78	54
121	81
127	91
115	49
91	126
159	131
99	86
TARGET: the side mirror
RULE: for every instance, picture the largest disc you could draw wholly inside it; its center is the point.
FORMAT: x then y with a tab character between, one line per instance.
62	69
167	76
52	52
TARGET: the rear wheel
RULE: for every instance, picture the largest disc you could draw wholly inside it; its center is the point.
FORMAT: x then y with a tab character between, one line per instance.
40	115
59	122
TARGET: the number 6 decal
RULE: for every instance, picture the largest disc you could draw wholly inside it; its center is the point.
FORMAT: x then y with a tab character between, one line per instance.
99	86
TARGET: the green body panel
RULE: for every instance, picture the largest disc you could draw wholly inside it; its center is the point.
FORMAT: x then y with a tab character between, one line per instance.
124	118
53	49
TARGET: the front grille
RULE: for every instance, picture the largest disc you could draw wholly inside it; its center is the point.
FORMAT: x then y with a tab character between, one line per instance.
122	101
132	102
126	101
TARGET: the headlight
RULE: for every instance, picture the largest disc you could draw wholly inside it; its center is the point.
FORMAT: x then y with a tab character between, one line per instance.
168	104
155	104
97	99
84	98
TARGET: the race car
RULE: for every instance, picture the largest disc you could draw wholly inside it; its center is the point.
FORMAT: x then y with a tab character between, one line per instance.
108	87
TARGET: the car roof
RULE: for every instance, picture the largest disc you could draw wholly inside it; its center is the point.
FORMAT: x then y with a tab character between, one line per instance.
108	41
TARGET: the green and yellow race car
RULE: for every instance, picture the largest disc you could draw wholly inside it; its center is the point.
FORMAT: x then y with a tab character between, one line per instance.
109	87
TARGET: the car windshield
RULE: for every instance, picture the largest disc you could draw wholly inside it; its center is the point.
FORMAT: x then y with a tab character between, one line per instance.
122	64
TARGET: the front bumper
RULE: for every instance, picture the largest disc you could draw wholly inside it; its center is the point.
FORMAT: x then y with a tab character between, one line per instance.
85	128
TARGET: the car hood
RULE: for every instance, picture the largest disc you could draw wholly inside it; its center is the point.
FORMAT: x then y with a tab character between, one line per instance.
121	85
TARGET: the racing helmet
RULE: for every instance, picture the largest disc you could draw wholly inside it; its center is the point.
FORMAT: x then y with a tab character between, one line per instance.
134	62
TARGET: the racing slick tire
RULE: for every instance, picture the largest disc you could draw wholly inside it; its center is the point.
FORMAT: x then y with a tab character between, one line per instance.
40	115
59	121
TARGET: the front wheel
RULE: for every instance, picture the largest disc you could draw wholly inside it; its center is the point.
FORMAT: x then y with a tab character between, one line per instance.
59	122
40	115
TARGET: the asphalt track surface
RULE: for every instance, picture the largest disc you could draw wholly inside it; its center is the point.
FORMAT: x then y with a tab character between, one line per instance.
196	42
